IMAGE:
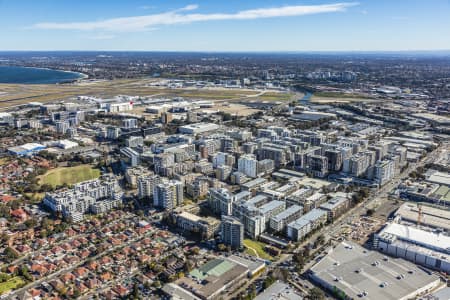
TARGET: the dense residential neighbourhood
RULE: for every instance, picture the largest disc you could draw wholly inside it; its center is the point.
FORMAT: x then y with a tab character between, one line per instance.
171	198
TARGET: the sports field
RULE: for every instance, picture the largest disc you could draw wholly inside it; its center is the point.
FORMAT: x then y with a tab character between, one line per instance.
69	175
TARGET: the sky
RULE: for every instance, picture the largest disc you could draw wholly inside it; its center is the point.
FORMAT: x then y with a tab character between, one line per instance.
225	25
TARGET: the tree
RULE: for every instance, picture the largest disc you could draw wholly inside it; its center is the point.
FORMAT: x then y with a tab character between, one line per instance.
25	274
316	294
4	211
135	294
148	143
188	265
10	254
195	250
30	223
370	212
268	281
221	247
320	240
76	293
4	238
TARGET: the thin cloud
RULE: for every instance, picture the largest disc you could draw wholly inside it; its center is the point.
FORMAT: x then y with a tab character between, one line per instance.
179	16
400	18
102	37
145	7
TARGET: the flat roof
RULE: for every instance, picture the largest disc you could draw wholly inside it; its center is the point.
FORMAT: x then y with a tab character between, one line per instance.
427	239
212	277
254	182
292	173
178	293
430	216
258	198
279	291
439	177
242	195
334	202
307	218
353	270
271	206
288	212
314	182
252	263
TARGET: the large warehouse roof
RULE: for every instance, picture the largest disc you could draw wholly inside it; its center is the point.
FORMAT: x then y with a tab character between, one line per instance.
360	273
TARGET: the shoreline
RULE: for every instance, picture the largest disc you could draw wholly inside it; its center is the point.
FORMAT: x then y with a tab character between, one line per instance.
81	76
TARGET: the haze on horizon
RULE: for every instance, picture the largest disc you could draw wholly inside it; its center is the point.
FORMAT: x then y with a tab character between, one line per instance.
268	26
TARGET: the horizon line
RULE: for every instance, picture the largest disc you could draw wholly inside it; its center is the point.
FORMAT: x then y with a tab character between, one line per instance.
242	51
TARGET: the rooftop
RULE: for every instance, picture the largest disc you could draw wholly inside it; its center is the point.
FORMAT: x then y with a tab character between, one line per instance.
433	217
271	206
289	211
427	239
362	273
279	291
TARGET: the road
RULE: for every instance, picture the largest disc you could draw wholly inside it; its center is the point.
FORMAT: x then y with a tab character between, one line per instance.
374	200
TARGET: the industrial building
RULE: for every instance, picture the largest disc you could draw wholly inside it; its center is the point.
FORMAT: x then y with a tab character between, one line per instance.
198	128
423	215
279	291
351	272
213	279
428	248
26	149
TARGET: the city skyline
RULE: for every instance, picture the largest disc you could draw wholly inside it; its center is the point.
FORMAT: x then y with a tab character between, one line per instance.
306	26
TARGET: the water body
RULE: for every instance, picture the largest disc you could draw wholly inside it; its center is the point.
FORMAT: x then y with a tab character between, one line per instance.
306	98
23	75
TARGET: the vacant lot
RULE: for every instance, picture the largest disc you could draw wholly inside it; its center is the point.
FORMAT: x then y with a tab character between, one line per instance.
256	248
69	175
11	284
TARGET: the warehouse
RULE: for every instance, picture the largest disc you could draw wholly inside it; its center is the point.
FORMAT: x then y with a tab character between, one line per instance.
198	128
427	248
26	149
351	271
429	216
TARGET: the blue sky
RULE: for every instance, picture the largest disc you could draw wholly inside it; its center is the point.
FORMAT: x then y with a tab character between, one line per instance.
231	25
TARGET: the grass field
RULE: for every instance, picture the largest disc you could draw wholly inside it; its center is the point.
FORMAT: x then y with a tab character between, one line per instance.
333	97
274	96
252	246
10	284
15	94
69	175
